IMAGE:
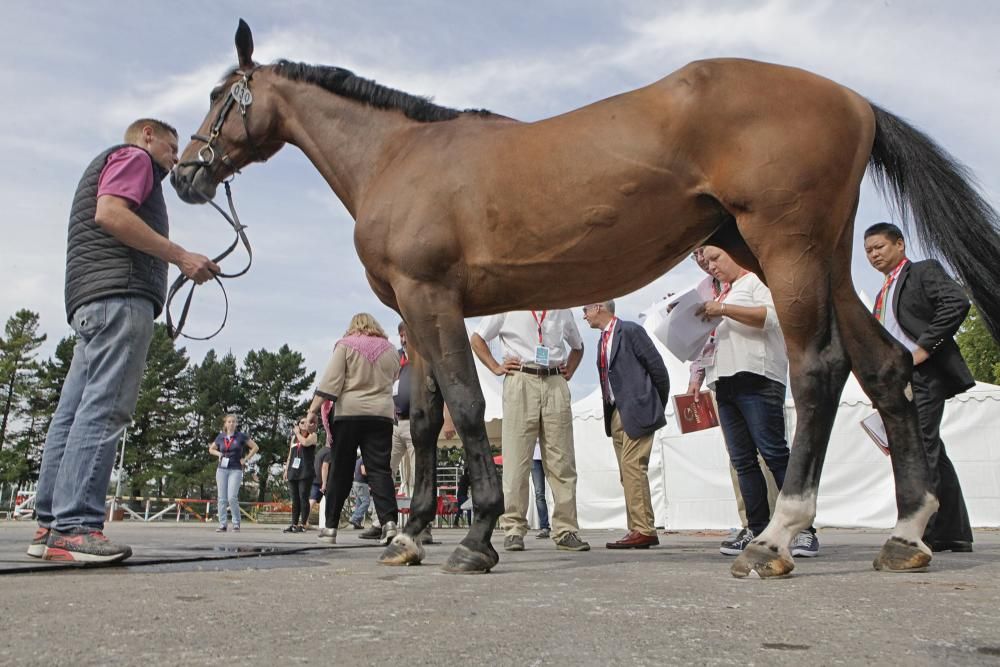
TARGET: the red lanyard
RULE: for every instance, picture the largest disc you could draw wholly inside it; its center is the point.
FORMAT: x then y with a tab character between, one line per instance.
879	311
227	442
539	323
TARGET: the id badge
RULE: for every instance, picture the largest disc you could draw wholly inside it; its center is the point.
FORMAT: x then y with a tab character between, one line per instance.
224	462
542	356
296	462
395	388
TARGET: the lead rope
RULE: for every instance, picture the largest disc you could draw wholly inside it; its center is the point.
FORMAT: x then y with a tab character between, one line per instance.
238	227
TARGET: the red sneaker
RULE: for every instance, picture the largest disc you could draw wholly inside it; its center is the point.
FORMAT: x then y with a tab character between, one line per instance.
37	547
84	545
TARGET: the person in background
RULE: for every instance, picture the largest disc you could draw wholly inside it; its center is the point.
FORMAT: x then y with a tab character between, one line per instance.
362	495
538	481
537	367
233	449
299	474
748	371
359	381
635	388
922	307
117	252
710	288
322	465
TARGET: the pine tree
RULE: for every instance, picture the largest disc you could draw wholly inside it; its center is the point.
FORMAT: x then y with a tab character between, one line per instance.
274	384
17	366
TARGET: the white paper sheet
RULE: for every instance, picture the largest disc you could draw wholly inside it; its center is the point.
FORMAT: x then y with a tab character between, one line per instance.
682	331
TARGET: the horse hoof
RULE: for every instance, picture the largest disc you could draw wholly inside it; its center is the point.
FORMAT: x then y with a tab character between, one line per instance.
403	550
763	561
899	555
464	560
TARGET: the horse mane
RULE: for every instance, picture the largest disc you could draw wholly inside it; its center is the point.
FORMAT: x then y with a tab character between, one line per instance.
347	84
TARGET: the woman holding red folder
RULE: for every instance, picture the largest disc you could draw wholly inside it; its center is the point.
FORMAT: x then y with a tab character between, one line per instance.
748	371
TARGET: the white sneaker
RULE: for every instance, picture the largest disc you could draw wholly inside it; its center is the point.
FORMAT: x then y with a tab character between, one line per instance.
389	531
328	535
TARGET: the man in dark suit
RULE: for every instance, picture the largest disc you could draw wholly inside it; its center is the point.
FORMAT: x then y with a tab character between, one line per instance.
635	387
922	307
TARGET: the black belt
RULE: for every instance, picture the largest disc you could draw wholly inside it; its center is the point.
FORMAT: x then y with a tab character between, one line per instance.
544	372
402	417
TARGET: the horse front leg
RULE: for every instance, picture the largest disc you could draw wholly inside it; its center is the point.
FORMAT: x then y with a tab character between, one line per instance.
426	419
436	328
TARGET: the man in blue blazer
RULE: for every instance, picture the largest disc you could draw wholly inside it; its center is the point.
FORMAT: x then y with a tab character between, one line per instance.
635	387
922	307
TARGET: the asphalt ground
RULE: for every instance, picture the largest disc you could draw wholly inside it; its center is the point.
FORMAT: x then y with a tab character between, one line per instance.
190	596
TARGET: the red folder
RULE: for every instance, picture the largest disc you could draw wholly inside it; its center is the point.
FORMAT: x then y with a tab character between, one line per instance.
695	415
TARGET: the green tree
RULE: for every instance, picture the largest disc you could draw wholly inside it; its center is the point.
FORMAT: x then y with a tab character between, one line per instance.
17	366
981	352
19	463
161	413
273	384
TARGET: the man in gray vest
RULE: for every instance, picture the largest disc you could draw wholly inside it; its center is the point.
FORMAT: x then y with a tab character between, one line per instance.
116	283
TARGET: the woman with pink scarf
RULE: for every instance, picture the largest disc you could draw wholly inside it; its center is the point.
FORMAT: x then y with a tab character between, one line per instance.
358	380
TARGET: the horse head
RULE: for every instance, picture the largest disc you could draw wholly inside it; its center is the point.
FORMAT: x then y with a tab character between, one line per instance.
240	128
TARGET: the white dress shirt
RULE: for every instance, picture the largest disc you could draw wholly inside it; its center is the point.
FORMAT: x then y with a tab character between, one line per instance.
891	324
518	332
742	348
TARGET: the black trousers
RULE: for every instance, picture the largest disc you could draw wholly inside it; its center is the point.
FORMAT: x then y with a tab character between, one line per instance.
299	490
373	436
951	523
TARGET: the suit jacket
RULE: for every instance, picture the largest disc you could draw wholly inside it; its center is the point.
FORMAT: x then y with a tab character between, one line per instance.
638	379
930	307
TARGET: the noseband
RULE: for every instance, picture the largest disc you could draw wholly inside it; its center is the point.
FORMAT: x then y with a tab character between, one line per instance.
239	94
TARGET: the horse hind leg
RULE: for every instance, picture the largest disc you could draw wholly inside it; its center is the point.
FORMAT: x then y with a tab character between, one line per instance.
884	368
818	369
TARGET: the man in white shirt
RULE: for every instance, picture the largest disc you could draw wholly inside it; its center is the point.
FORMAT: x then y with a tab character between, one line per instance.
536	405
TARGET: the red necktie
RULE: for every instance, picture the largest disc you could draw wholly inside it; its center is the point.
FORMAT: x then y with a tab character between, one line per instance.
602	365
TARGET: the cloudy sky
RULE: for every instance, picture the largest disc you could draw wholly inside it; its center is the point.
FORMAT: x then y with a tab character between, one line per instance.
76	73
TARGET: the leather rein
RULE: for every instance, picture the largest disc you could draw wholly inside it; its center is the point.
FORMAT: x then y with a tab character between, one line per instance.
239	94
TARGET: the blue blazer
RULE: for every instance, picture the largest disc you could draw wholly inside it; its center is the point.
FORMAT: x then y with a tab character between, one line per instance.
638	379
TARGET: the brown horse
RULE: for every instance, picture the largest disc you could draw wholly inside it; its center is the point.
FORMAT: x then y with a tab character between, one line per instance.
470	213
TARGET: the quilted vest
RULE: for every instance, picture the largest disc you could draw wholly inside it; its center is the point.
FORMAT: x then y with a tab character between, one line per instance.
97	264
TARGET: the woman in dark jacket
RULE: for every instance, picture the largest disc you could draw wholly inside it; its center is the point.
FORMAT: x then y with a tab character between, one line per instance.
300	472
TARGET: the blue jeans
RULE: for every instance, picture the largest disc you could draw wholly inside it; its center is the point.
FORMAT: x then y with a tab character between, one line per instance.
97	401
538	480
362	499
229	480
752	416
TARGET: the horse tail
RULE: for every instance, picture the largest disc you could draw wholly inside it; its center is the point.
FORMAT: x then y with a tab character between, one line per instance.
953	221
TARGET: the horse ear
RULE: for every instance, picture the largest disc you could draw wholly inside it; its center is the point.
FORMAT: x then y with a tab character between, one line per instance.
244	45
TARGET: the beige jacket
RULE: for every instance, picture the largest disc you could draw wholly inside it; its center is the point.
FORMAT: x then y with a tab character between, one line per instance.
361	387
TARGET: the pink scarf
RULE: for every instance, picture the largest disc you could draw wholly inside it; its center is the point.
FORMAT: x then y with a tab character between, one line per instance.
369	347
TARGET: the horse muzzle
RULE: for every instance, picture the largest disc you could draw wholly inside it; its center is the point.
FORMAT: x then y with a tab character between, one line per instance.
193	183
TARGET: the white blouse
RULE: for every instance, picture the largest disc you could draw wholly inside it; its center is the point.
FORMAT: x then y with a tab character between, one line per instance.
742	348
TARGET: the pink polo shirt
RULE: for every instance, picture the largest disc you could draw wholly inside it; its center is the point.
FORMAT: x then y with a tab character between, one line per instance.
128	174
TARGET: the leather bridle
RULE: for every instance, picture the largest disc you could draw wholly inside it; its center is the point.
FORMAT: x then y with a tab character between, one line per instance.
239	95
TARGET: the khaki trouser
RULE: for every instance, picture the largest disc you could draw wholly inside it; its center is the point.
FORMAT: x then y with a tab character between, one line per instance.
633	465
403	456
537	407
772	489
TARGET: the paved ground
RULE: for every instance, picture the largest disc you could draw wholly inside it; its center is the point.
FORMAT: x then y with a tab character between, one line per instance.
675	604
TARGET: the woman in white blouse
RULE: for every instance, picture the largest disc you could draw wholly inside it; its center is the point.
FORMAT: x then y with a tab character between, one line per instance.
748	373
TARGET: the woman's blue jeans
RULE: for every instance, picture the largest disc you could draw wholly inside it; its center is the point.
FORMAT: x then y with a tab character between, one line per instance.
752	416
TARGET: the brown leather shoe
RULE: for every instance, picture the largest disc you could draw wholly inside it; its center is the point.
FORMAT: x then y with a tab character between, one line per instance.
634	540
